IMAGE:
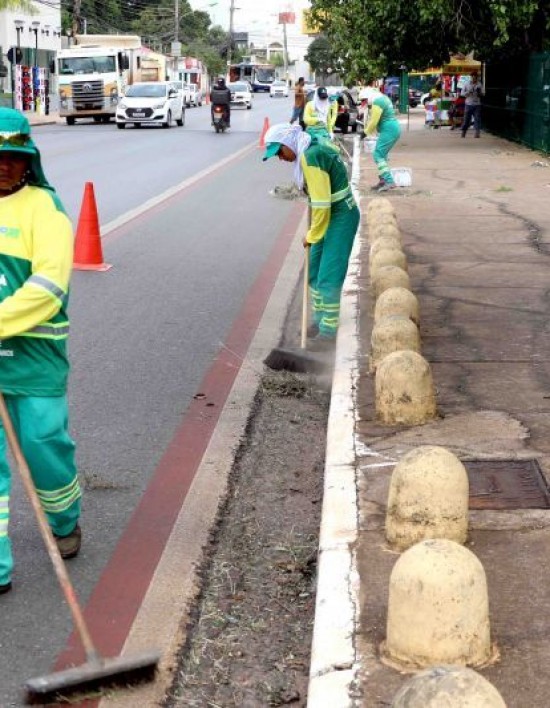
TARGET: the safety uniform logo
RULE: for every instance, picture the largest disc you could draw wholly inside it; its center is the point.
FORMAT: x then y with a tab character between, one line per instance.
10	231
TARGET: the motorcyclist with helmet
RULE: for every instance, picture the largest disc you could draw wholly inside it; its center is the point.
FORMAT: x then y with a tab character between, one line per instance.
220	95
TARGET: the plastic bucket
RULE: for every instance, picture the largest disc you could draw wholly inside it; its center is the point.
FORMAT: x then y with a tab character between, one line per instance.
370	144
402	176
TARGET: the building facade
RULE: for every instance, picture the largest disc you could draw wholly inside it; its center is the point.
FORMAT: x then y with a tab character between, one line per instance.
38	36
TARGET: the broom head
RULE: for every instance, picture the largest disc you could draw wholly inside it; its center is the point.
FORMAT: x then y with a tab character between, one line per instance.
93	674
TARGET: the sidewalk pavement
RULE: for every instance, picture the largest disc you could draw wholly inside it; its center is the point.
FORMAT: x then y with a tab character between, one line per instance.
475	226
36	119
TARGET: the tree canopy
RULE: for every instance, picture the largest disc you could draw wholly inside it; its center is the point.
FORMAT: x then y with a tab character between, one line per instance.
154	21
375	37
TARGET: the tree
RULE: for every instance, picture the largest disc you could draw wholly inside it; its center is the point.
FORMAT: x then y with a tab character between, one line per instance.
320	56
23	5
374	37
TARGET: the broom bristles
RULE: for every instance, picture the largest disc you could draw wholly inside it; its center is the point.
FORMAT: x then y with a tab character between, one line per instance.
295	361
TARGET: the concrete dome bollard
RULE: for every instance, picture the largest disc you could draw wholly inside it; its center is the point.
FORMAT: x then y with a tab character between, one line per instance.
392	334
404	390
428	498
389	277
382	243
397	301
449	687
438	608
379	204
388	257
383	218
381	229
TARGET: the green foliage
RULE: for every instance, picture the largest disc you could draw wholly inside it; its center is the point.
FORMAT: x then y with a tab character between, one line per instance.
23	5
154	22
320	55
374	37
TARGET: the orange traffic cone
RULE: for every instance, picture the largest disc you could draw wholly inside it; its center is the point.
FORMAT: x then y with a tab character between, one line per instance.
87	249
264	131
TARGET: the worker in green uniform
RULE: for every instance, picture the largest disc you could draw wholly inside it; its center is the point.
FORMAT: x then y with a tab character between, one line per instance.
382	119
320	115
36	253
320	171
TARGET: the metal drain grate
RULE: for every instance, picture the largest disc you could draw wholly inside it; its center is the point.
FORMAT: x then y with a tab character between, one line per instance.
507	484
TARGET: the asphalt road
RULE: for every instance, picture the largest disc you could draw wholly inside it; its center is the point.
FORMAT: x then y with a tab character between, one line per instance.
143	334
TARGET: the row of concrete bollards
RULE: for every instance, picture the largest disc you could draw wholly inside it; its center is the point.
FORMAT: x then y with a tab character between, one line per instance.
404	390
438	608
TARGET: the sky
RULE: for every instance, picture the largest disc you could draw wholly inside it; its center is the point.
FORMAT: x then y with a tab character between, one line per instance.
260	19
252	15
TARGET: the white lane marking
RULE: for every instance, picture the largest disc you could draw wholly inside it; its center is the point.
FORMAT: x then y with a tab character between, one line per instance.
172	191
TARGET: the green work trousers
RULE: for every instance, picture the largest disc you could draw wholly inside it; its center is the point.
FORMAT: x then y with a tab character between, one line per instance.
328	265
41	425
389	134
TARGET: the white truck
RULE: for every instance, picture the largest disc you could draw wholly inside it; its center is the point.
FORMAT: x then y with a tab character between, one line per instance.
94	72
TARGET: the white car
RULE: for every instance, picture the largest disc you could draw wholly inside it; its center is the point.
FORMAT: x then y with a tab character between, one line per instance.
241	94
278	88
149	103
184	91
195	95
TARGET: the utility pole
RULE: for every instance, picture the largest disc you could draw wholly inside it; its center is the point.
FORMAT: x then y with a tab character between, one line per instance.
76	17
230	45
176	20
285	52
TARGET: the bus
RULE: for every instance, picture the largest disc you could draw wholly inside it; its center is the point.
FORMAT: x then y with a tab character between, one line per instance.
259	76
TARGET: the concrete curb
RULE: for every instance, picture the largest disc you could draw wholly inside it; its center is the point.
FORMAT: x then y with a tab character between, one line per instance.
334	659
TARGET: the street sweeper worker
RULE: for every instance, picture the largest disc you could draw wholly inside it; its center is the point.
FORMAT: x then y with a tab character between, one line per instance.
320	171
36	252
320	114
382	120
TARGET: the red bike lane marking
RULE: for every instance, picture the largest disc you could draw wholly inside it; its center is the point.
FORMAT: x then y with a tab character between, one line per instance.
121	588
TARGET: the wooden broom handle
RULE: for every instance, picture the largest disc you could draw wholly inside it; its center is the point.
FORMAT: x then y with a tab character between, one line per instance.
53	551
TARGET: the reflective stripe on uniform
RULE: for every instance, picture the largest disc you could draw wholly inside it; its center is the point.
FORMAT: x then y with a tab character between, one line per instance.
49	286
59	500
342	194
49	331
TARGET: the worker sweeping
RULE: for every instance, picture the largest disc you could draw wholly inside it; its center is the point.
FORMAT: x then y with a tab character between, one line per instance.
36	251
382	119
320	171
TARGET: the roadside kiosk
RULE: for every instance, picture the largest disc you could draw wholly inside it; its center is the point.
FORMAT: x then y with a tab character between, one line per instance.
439	111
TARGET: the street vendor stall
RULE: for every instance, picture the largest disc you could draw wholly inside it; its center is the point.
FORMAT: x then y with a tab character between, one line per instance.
446	108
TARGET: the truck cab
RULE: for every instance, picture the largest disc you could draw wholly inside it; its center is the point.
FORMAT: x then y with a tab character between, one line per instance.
91	82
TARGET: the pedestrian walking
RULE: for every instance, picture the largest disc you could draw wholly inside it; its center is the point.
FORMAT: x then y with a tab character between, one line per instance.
320	171
320	114
36	253
382	119
299	102
472	93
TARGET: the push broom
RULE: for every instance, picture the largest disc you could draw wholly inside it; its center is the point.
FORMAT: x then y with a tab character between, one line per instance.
96	671
299	361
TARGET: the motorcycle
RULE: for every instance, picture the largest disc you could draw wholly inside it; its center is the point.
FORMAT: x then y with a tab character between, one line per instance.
218	119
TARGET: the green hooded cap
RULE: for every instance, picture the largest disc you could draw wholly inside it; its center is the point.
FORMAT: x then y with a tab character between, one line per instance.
13	122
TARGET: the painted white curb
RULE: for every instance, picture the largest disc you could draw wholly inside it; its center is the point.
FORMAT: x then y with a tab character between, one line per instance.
334	658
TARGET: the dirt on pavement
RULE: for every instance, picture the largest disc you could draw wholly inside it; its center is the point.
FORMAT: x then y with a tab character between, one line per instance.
250	639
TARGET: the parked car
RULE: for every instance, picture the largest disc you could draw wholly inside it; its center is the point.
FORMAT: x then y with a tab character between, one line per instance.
241	94
195	98
278	88
183	90
347	112
150	103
